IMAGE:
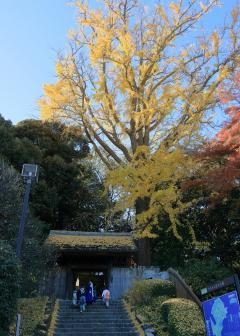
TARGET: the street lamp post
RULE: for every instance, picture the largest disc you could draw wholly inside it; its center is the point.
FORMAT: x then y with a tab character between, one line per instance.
30	174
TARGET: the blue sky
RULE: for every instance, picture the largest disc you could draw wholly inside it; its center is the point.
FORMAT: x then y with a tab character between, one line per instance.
31	32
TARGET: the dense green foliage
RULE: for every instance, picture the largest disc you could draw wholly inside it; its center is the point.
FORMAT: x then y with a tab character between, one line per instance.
9	147
10	196
32	311
147	296
151	314
32	258
201	273
10	276
216	230
167	250
183	318
35	257
144	291
220	226
68	194
154	301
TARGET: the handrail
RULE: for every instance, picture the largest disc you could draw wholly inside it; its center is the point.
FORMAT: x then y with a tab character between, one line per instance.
182	289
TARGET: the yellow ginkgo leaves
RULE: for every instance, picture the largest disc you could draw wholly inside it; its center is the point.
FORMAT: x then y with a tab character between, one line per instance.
152	177
215	42
140	93
175	7
203	6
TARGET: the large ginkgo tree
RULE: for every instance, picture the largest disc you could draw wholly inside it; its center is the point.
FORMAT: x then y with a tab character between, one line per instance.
140	82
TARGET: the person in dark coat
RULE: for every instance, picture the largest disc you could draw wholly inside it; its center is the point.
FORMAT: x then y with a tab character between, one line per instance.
89	293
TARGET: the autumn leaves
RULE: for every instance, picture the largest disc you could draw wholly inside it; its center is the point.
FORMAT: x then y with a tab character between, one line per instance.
134	84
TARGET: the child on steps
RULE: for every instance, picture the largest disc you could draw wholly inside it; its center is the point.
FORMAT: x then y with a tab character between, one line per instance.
82	299
106	297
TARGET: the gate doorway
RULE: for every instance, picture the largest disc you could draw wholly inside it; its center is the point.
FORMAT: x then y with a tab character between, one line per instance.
99	279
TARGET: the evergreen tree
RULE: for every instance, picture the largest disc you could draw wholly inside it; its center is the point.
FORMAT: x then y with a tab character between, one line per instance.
69	192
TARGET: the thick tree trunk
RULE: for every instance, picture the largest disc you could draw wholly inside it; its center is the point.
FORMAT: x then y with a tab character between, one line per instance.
144	252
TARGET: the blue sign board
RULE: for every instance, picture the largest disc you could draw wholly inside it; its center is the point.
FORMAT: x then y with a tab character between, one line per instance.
222	315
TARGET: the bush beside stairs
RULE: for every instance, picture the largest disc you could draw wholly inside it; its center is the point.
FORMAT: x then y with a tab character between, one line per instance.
97	320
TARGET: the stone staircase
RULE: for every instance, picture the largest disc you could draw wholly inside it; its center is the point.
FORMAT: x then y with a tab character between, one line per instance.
97	320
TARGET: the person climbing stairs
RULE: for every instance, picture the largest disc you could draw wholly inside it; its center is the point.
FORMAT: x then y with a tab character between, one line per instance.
97	320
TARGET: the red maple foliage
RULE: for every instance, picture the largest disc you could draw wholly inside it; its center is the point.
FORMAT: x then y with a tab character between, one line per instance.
221	156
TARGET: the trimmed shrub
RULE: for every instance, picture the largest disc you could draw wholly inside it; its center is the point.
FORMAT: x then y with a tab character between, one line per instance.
201	273
183	317
9	286
151	313
144	291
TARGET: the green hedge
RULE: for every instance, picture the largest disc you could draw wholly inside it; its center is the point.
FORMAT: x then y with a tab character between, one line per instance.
10	274
152	311
32	312
144	291
183	318
153	300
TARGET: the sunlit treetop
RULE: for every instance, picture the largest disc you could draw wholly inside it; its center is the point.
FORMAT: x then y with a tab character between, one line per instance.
139	80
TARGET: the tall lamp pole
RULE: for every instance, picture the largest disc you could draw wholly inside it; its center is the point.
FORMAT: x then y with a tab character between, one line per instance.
30	174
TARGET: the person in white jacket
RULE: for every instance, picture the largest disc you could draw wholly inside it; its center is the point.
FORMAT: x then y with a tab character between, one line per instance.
106	297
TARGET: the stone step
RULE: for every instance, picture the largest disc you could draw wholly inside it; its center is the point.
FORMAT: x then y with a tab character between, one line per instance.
95	309
82	319
98	324
96	329
98	303
62	301
93	315
104	333
102	305
92	310
97	320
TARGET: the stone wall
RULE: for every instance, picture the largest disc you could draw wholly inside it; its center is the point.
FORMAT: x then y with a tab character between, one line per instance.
121	278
